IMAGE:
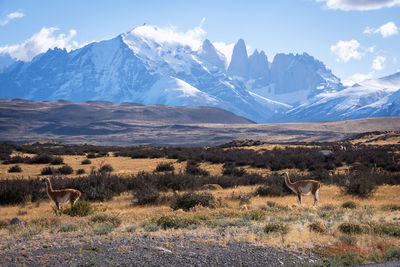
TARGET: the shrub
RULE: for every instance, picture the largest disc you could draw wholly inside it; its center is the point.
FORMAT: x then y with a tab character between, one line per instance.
276	227
15	168
274	186
352	228
387	229
68	228
317	227
348	240
86	162
41	159
189	200
103	229
104	218
254	215
349	205
80	171
57	161
164	166
48	171
91	155
174	221
132	228
145	192
81	208
106	168
66	169
192	168
360	185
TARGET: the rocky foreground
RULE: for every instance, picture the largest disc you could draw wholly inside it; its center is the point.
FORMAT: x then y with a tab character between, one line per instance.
146	251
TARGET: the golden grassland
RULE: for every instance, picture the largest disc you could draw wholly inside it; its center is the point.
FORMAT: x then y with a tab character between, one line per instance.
228	221
229	218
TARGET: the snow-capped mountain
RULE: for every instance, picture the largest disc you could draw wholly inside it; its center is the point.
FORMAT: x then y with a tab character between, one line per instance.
371	98
147	66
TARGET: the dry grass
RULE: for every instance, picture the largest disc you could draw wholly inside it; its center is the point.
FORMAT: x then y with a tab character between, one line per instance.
229	218
121	165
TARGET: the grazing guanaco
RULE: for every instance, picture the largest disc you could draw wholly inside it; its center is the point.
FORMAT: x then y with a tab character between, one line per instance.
303	187
63	195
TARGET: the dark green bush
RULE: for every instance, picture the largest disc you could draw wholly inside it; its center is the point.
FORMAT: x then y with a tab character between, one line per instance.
352	228
387	229
189	200
317	227
276	227
106	168
361	185
349	205
48	171
81	208
80	171
66	169
42	159
192	168
91	155
57	161
104	218
15	168
86	162
164	166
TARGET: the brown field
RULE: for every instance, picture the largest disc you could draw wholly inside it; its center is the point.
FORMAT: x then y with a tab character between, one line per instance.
229	217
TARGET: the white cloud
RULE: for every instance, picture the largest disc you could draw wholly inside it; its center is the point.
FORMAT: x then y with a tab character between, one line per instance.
170	35
10	17
359	5
39	43
356	78
377	64
385	30
225	49
346	50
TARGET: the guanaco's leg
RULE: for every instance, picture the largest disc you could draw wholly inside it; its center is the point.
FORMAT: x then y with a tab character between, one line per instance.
299	197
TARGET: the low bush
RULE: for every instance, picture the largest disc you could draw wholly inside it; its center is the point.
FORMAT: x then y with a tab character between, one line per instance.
91	155
145	192
348	240
86	162
192	168
254	215
66	169
189	200
68	228
81	208
103	229
317	227
80	171
15	168
387	229
106	168
48	171
274	185
349	205
352	228
276	227
173	221
164	166
360	185
104	218
42	159
57	161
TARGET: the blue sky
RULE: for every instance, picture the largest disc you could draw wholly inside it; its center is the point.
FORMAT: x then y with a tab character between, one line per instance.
356	39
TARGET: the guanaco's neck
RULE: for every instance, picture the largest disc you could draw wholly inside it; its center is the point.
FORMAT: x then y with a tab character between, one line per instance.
49	187
287	180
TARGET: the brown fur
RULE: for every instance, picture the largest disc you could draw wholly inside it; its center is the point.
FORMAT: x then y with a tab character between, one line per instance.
303	187
62	195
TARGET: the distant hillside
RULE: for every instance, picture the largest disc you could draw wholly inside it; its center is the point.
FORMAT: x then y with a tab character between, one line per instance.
105	123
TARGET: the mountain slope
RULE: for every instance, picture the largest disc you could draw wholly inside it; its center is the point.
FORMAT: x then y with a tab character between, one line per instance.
371	98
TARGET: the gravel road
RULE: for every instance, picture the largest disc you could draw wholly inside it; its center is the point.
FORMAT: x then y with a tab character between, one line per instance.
147	251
